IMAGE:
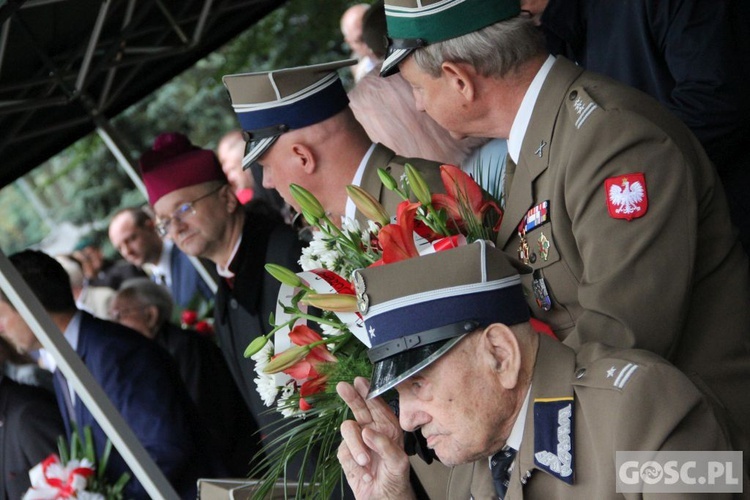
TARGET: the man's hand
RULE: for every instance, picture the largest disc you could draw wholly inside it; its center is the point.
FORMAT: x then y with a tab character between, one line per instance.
372	452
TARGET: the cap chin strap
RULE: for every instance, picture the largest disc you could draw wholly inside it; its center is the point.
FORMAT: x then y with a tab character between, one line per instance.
396	346
262	133
406	43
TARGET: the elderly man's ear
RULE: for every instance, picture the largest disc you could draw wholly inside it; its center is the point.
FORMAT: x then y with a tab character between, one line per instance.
504	353
461	78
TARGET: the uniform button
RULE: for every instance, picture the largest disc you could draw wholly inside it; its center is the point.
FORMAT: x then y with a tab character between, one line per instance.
233	303
532	258
580	373
573	95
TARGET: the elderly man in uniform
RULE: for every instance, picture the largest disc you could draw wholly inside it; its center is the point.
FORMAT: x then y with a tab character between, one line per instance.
609	198
197	209
484	387
133	233
302	131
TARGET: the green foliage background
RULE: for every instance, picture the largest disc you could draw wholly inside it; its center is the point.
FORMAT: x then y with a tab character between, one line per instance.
85	185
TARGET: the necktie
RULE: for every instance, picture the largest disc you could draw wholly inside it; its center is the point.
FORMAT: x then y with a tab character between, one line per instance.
160	278
63	382
500	466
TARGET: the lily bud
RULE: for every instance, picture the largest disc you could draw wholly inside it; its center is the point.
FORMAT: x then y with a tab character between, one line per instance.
287	359
307	201
368	205
255	346
336	302
387	179
284	275
418	185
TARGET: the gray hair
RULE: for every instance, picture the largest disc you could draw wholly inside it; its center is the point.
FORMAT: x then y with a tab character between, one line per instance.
493	51
149	293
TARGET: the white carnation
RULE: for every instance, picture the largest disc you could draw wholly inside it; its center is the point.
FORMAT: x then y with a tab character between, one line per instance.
265	384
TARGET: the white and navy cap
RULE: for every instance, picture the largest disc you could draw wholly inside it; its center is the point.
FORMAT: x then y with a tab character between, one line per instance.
417	23
270	103
414	314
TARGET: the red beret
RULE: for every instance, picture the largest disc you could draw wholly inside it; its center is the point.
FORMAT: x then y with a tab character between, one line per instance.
174	163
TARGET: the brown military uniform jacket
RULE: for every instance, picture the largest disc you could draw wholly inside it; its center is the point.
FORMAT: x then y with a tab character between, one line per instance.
382	157
673	279
622	400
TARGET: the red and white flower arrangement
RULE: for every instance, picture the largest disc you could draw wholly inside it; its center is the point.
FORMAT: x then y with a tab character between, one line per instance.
299	363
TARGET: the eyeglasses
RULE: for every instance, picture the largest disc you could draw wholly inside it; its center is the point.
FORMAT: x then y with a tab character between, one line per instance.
124	313
182	212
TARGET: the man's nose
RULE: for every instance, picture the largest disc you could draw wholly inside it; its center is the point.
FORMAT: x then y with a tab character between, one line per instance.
409	417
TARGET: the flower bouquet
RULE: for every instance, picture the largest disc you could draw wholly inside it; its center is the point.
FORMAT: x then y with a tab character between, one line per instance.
319	337
75	473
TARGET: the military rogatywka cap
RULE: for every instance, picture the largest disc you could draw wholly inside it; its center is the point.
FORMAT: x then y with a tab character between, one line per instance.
417	23
414	314
270	103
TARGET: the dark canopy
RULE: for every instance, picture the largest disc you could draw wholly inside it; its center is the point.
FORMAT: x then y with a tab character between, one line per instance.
67	65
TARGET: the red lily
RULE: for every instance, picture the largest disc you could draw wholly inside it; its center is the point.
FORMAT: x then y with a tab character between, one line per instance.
309	388
463	198
303	335
397	240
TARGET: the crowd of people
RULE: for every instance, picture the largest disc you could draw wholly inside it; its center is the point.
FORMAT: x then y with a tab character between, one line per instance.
619	233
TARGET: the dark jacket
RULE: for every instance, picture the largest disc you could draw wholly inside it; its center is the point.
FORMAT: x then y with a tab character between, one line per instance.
243	308
30	424
187	283
204	371
141	380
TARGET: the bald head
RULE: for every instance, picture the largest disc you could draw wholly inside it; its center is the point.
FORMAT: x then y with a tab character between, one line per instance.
351	28
321	158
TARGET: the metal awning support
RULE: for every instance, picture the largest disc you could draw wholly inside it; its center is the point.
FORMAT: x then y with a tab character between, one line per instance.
86	388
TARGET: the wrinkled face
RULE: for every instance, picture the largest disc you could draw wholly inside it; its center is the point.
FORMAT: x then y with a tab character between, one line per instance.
459	406
436	97
197	218
130	312
15	330
281	168
137	245
230	154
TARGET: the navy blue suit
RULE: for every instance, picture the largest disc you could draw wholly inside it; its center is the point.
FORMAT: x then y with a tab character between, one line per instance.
142	382
186	281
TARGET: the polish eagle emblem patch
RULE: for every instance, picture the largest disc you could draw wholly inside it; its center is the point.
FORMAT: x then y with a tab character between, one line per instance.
626	196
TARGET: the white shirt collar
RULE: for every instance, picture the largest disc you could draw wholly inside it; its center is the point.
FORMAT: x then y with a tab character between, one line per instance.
224	272
521	121
71	334
164	266
351	208
516	433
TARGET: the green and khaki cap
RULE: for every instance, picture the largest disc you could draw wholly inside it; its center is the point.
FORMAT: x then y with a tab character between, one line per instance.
417	23
413	314
270	103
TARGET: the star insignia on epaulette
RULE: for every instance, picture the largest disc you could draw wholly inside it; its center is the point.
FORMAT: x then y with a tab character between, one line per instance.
611	372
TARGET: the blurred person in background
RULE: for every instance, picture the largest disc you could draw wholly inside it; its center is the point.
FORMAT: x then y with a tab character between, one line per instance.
146	307
99	270
133	234
89	298
351	28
